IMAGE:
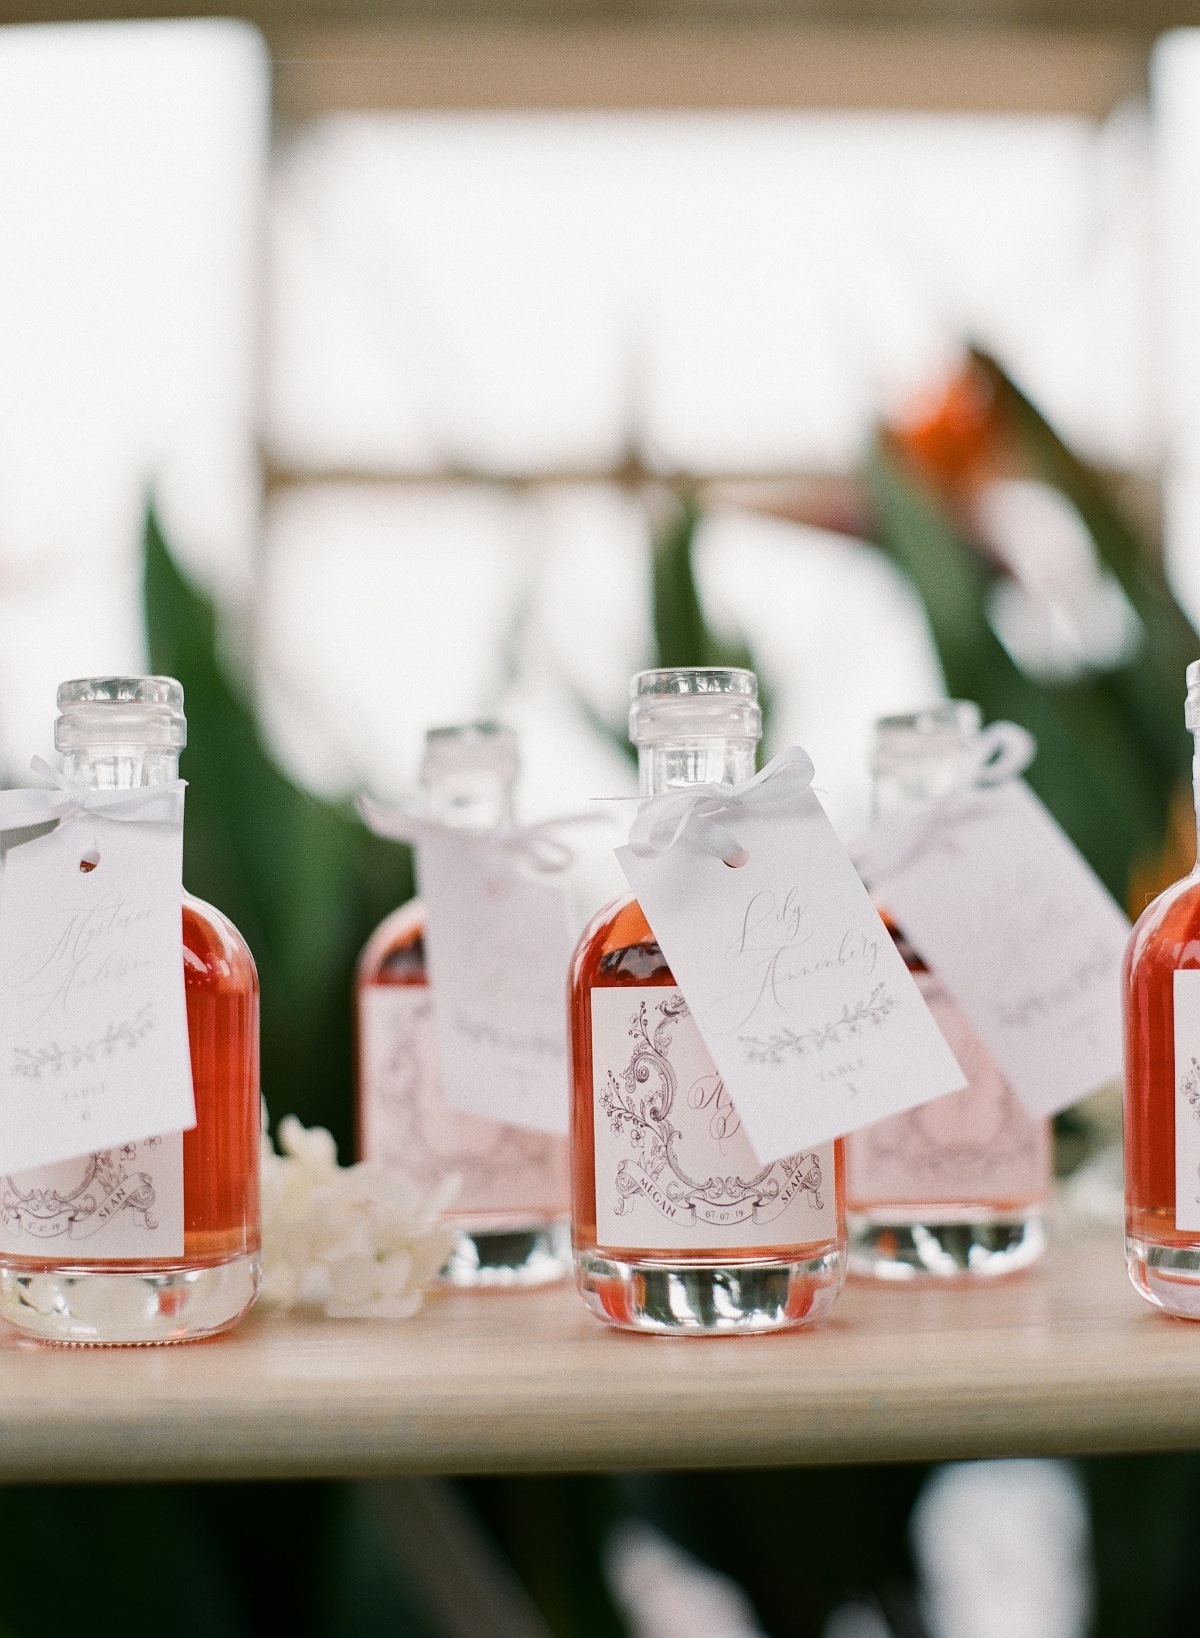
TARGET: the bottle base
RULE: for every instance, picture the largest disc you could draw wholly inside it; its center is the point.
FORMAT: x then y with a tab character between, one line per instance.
128	1308
903	1245
692	1299
1168	1276
509	1258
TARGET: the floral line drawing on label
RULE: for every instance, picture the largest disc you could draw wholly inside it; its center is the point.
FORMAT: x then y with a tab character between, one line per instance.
53	1059
658	1175
1189	1085
106	1188
501	1168
790	1043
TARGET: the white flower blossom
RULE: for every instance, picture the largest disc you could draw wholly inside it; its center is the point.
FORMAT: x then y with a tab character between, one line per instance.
361	1242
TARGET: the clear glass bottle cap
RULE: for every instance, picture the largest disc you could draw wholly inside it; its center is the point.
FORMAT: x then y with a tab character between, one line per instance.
144	711
938	731
694	702
467	747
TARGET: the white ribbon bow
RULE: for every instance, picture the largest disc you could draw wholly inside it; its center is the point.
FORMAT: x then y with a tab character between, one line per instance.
537	846
21	809
691	810
1000	752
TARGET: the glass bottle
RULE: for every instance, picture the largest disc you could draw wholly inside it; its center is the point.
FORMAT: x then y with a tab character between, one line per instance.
1162	1085
956	1186
510	1215
676	1226
201	1188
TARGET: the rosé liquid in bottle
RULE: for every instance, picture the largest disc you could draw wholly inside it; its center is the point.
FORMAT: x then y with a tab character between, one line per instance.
197	1192
1162	1086
510	1215
677	1227
955	1187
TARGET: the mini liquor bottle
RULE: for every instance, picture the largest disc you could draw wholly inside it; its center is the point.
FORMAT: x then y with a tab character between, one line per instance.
956	1186
1162	1085
677	1227
157	1241
510	1214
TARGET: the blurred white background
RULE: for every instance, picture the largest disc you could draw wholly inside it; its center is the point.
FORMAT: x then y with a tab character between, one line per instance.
440	335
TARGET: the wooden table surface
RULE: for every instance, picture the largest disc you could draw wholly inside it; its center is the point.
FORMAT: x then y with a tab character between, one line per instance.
1064	1359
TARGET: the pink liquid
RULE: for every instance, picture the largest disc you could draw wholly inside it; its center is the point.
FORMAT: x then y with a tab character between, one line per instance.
973	1149
221	1152
620	950
1165	939
511	1178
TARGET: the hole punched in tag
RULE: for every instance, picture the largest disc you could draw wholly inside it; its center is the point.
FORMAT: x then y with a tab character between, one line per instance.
89	859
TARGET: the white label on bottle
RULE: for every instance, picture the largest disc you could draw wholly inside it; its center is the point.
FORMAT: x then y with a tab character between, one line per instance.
123	1203
979	1146
1025	938
674	1168
93	1021
405	1122
1187	1098
498	942
800	994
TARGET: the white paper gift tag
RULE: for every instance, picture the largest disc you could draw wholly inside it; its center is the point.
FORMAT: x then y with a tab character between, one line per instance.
801	997
1024	937
498	943
93	1021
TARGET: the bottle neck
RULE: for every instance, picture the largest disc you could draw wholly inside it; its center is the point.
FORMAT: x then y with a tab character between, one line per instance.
120	767
471	799
903	783
670	763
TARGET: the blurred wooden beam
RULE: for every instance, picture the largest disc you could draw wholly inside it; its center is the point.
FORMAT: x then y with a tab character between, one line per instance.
679	65
1141	17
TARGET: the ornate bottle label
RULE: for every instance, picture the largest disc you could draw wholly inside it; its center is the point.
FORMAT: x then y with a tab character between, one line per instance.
1187	1098
119	1204
978	1146
405	1122
674	1168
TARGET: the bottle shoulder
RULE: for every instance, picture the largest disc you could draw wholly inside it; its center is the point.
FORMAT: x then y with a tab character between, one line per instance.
1167	933
395	951
619	947
215	955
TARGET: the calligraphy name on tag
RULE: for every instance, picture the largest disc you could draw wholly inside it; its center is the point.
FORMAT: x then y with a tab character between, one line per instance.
498	944
93	1022
800	995
1024	937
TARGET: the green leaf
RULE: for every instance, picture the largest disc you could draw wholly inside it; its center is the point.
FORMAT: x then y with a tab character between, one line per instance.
682	634
1095	770
303	879
1150	689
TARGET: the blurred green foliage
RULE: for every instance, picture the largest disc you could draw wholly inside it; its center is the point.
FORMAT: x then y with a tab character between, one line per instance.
680	625
1111	744
303	879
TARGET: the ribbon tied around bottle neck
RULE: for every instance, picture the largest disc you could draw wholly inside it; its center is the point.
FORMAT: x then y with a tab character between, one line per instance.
704	814
64	799
539	847
999	753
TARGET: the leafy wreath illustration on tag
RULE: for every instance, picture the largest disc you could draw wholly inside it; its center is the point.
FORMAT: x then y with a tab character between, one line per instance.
793	1043
52	1059
963	1138
108	1186
639	1103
